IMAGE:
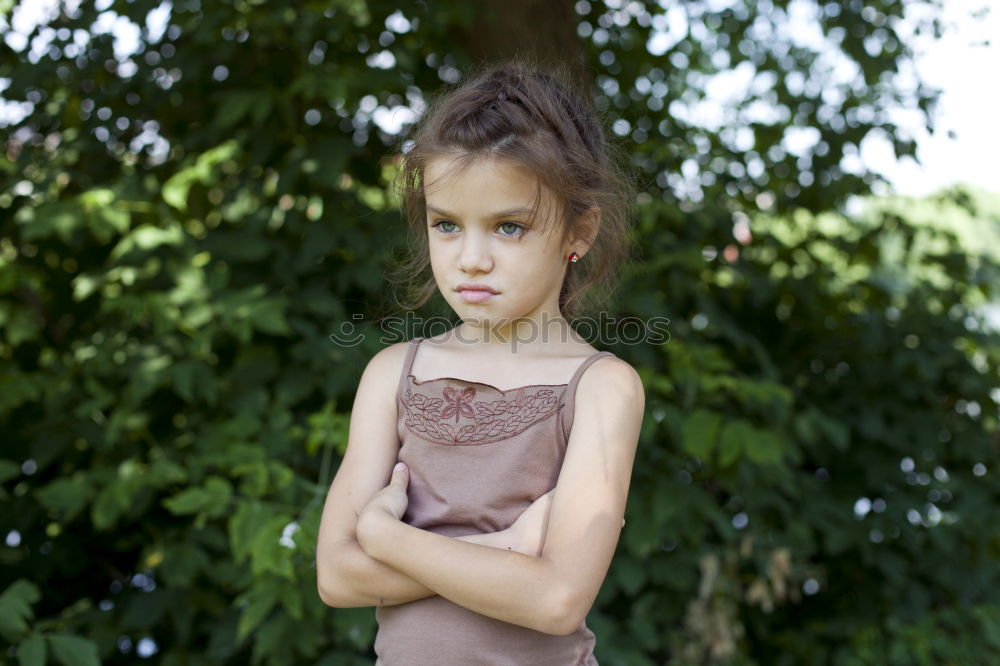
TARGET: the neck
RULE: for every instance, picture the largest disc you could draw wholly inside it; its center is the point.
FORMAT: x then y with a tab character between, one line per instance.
524	333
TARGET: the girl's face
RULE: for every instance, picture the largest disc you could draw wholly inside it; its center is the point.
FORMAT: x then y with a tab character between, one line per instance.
480	234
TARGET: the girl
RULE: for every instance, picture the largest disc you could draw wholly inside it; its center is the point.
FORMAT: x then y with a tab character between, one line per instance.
507	442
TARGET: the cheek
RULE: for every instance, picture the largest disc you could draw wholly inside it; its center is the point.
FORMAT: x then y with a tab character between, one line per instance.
544	272
442	266
435	252
437	267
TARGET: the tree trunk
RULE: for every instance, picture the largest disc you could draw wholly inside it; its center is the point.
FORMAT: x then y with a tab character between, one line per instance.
543	31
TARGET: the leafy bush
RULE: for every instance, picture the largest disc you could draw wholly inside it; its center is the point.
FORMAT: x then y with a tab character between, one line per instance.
185	227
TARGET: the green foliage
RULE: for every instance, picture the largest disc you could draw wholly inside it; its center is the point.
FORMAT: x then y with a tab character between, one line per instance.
185	235
73	650
31	646
828	428
15	608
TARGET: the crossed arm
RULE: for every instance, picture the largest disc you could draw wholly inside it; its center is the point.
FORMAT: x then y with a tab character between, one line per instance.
367	556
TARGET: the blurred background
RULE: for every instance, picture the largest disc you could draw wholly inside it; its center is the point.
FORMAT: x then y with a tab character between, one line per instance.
195	203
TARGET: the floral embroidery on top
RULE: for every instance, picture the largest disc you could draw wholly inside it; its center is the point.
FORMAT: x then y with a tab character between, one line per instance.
445	420
458	403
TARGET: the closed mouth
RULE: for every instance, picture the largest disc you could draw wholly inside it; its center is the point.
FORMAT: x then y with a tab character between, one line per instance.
475	287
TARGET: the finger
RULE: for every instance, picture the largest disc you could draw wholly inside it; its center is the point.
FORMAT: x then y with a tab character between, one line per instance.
400	475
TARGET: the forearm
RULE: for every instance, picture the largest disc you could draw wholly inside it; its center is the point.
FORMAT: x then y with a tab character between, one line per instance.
350	578
497	582
355	579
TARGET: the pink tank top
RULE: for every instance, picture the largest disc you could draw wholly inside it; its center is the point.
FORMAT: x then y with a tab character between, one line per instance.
478	456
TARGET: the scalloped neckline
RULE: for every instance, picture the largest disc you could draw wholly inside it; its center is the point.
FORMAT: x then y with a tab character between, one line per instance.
471	381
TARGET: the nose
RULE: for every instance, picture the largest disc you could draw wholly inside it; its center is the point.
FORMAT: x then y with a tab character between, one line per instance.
474	255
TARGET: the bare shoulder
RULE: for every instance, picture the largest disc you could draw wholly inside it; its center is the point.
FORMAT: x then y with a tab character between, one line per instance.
379	382
391	357
611	374
613	388
387	364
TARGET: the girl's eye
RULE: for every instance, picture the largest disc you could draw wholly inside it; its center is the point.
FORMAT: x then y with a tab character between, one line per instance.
439	223
510	229
515	229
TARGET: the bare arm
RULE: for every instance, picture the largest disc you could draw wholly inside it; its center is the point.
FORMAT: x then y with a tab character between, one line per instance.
368	582
551	592
346	575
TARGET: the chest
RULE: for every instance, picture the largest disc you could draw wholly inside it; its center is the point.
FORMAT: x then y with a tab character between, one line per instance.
478	456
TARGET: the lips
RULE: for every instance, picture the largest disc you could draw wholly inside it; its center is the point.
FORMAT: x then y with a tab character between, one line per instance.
476	293
467	286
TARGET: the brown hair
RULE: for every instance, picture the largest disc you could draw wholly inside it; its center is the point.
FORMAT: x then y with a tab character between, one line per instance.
516	112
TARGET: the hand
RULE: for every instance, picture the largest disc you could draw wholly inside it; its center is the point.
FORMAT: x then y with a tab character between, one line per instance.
388	503
528	531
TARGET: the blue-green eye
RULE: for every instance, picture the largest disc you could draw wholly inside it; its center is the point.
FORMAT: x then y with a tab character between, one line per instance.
518	229
441	222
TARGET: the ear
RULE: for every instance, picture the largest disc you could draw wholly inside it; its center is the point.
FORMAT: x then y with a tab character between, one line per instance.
588	223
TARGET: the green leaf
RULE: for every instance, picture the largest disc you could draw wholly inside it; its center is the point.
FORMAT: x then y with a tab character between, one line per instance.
699	432
148	237
164	472
15	608
308	533
327	427
268	315
281	475
104	217
212	499
243	525
253	482
175	189
117	498
18	387
291	599
272	638
59	219
74	650
734	437
257	604
31	651
68	495
267	553
763	446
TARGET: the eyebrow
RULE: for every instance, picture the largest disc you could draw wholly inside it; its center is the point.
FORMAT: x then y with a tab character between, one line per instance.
510	212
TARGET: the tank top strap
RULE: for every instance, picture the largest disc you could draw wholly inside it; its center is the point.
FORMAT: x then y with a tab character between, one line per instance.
569	409
411	352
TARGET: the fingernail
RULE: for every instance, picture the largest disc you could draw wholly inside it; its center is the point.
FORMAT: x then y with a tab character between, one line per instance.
399	467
